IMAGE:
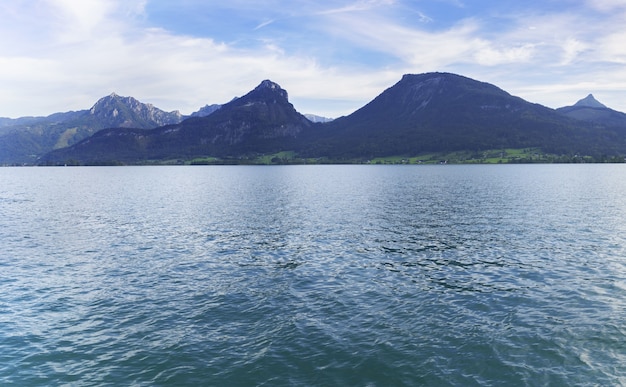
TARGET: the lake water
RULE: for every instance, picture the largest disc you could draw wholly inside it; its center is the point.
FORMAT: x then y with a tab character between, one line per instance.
313	275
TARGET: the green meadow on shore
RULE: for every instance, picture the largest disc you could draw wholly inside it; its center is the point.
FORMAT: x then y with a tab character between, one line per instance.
495	156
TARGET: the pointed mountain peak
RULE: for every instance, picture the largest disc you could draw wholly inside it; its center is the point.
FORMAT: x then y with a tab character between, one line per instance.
115	97
118	111
266	92
590	101
112	101
269	86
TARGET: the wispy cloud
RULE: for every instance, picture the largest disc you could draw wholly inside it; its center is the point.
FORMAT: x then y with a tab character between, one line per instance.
357	6
492	56
608	5
572	48
264	24
424	18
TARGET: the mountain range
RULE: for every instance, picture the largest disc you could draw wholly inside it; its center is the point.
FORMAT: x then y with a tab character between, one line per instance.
432	112
443	112
24	140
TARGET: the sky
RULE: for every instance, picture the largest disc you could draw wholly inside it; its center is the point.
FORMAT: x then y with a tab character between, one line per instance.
332	56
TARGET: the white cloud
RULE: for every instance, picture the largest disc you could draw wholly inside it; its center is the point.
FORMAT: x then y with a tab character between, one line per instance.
611	48
571	49
415	47
59	55
171	71
95	49
424	18
607	5
77	21
492	56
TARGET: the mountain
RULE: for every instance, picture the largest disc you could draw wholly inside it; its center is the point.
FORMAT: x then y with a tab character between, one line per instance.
127	112
443	112
210	109
261	121
23	140
591	110
314	118
206	110
9	122
590	101
422	113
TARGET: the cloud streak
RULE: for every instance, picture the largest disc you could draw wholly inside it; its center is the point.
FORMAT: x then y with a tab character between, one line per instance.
358	6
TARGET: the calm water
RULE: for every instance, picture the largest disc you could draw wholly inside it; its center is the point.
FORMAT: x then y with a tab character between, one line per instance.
313	275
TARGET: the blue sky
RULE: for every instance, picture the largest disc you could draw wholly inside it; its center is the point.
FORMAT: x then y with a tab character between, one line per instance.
331	56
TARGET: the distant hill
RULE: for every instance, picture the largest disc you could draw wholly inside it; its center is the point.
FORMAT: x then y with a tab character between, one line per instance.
23	140
423	113
591	110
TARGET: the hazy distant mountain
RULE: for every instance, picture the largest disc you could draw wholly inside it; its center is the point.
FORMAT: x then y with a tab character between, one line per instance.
314	118
23	140
8	122
206	110
261	121
591	110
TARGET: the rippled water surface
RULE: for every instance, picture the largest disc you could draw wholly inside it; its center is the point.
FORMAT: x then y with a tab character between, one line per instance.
313	275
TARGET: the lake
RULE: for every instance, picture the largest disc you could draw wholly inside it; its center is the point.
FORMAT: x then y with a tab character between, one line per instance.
456	275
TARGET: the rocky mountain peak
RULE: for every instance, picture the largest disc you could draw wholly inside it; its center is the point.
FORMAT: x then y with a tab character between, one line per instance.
112	101
268	88
590	101
269	84
115	110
